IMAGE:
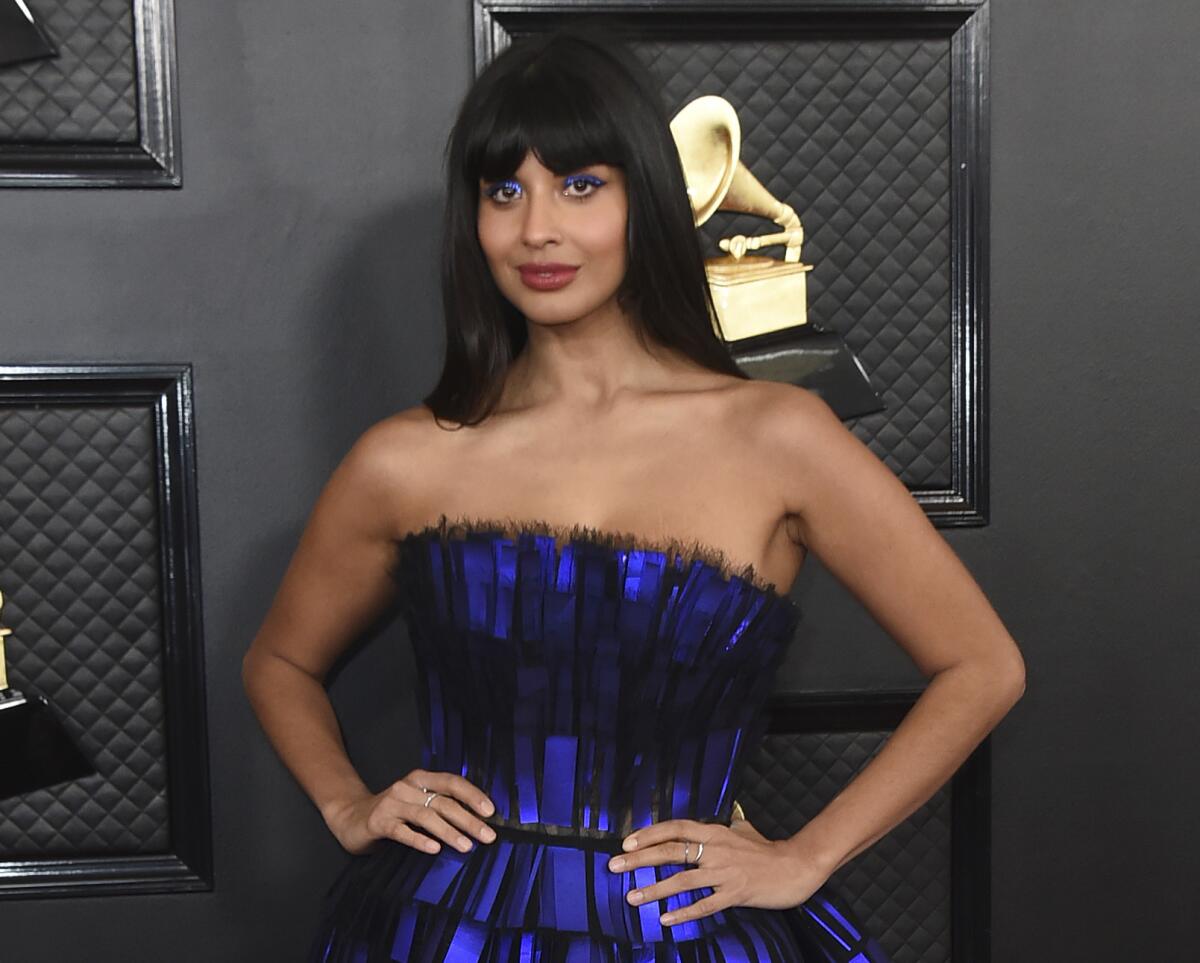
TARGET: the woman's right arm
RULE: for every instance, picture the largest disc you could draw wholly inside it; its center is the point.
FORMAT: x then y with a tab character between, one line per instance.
337	583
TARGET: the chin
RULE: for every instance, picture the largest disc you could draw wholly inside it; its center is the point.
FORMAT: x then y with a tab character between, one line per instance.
543	310
547	317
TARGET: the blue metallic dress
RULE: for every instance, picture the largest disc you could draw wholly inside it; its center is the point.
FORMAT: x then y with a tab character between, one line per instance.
592	684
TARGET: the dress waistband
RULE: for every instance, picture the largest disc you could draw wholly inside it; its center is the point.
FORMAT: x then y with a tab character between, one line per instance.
576	837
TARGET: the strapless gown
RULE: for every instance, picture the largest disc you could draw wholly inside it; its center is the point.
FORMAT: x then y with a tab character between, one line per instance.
591	683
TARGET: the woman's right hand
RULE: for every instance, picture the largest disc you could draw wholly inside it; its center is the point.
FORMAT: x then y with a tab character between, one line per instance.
394	812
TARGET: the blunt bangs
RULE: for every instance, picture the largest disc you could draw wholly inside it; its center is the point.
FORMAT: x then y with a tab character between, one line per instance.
556	108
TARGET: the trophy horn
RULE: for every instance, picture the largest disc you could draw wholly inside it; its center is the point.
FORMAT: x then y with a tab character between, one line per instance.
709	138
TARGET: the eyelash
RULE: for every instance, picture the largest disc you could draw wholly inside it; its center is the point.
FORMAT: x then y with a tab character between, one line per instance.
596	182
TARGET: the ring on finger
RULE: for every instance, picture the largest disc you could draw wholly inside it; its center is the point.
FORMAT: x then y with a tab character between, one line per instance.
430	797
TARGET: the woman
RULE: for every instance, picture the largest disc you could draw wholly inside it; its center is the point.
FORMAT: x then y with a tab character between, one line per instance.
590	527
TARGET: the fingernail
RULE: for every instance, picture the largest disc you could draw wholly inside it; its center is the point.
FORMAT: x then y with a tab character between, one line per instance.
616	864
488	833
630	843
463	843
635	896
666	918
488	808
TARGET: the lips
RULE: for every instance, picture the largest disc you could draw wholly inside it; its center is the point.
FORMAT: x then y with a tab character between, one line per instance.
546	267
547	276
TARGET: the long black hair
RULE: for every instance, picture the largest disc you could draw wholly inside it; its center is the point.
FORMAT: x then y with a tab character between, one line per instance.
575	96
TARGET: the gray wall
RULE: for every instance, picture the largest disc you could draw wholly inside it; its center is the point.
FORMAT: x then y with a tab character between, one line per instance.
296	270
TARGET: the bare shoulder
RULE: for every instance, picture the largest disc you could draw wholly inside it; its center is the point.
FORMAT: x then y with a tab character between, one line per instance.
389	461
779	399
416	425
789	421
809	452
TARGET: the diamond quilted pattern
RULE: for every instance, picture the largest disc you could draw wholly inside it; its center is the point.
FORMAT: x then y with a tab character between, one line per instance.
79	566
89	91
900	886
855	135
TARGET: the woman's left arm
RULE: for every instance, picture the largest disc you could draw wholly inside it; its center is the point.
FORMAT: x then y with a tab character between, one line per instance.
866	528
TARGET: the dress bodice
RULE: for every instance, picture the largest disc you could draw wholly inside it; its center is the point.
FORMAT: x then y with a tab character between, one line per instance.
589	681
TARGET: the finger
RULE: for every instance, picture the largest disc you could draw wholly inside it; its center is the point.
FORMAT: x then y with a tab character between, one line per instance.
469	793
673	850
403	833
446	785
696	910
434	822
418	778
668	851
676	883
386	821
667	829
452	784
407	790
461	818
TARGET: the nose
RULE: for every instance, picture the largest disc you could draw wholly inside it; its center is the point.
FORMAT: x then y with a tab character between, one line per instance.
540	223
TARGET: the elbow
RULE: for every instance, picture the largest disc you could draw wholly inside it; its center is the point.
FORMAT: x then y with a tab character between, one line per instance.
1016	689
261	668
251	670
1010	678
247	671
998	680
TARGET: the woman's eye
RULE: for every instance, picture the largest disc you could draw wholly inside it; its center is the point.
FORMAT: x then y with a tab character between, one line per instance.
501	191
582	180
576	186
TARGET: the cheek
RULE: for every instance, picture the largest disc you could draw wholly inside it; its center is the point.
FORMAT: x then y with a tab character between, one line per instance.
605	234
492	226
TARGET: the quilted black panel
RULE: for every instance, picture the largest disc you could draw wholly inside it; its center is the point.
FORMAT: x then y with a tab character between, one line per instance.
79	567
900	886
89	91
855	135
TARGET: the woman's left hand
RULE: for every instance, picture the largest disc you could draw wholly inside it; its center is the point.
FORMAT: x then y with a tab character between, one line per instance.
740	865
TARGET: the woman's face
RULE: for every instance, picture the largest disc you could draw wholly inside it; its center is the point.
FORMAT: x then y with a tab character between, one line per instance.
537	217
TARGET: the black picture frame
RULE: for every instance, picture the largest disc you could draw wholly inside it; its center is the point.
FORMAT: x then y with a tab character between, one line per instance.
965	24
154	161
166	389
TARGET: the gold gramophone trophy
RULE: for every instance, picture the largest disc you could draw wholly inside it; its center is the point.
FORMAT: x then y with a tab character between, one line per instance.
753	294
761	301
35	750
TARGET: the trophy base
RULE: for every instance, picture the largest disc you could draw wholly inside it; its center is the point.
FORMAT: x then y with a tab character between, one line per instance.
35	750
21	39
816	359
757	295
